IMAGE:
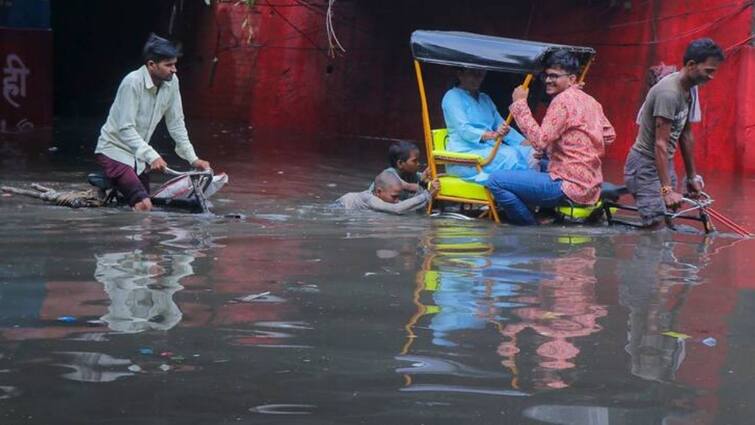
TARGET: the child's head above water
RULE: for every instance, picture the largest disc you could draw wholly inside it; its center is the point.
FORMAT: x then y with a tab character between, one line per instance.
404	156
388	187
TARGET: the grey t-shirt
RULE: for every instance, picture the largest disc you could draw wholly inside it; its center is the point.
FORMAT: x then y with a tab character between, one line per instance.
368	201
405	194
666	99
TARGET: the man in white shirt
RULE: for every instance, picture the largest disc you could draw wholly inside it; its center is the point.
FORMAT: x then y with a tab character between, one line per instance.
144	97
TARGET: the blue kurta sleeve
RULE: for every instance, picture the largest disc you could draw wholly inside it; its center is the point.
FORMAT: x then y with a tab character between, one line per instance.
457	120
514	138
497	118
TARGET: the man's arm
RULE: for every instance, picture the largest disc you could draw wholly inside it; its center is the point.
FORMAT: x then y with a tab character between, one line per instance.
498	120
554	122
410	187
609	133
124	115
415	202
687	146
662	134
174	121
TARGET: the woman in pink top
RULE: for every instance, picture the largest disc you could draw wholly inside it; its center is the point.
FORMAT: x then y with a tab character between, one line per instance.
574	133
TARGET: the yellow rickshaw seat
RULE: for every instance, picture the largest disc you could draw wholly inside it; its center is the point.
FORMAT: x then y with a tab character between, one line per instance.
448	156
581	212
455	187
440	137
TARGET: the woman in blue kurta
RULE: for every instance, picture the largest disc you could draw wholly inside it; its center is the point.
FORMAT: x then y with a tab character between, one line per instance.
474	123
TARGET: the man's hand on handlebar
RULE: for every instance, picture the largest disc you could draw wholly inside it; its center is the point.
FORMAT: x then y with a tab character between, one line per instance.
158	165
672	200
695	187
200	164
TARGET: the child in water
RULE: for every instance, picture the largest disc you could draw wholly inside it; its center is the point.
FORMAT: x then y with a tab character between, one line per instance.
403	158
385	195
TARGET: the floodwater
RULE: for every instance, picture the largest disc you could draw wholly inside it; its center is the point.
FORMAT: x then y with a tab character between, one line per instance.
287	312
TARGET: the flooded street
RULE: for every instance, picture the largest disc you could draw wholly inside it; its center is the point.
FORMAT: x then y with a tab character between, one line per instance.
279	309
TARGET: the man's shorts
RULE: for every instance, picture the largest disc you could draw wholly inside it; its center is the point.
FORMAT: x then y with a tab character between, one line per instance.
133	188
641	179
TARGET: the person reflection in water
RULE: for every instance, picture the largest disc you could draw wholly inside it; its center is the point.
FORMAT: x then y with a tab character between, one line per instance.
475	284
648	283
141	287
563	308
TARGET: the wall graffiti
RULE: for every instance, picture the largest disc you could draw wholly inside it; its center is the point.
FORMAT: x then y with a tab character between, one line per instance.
25	80
14	79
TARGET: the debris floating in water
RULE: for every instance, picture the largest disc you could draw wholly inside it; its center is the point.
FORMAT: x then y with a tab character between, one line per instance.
253	297
237	216
284	409
677	335
386	253
710	341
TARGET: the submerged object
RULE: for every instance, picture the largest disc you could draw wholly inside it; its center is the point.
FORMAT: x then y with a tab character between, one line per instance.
189	189
186	190
75	199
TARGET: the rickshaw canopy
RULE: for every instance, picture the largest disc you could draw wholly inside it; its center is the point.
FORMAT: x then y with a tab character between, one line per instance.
469	50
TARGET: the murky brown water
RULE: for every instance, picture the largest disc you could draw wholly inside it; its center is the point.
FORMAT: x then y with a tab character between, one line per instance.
112	317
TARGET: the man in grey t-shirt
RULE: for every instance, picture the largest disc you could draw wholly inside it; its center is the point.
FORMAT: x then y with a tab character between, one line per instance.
664	120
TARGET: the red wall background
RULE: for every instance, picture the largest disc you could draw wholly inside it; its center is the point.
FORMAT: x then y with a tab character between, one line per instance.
285	80
33	109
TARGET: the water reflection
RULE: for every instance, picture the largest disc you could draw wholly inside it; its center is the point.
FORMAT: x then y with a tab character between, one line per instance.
647	284
141	285
515	314
551	325
657	276
534	305
93	367
560	310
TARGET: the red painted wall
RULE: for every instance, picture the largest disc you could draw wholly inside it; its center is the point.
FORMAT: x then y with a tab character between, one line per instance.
25	79
285	80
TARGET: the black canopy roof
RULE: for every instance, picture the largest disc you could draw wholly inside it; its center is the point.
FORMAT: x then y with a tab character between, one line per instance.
486	52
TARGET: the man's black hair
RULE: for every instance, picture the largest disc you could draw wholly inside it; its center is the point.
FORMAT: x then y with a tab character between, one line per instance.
158	49
563	59
400	151
701	49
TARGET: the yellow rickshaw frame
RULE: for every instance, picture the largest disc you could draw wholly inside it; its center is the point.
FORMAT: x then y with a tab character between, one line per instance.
426	53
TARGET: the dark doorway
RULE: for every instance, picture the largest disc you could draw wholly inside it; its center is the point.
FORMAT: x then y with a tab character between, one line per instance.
96	43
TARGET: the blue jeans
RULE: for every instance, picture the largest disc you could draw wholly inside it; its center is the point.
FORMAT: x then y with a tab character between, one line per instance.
517	190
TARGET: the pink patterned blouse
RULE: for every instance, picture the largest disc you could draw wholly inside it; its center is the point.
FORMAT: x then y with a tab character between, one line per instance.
574	134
